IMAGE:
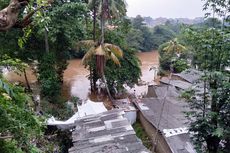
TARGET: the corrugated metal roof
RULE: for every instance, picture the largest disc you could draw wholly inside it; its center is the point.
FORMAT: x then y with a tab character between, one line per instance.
156	91
173	123
190	75
108	132
176	83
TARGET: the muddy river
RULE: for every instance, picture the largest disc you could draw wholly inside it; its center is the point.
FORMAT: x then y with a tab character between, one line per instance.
77	84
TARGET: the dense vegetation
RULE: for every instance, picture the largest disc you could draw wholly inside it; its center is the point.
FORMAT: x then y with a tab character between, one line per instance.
144	38
205	46
56	31
45	45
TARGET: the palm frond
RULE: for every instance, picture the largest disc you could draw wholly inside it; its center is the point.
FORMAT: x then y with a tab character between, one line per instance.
114	49
180	47
167	48
87	57
174	46
85	43
115	59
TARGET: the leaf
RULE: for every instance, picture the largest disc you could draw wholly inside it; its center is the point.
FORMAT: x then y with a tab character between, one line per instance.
86	43
219	132
88	55
115	59
115	49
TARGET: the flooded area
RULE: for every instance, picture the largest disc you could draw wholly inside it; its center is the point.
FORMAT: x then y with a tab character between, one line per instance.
149	69
77	84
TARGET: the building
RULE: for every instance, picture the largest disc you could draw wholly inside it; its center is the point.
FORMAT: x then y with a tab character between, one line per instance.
169	120
190	75
128	107
107	132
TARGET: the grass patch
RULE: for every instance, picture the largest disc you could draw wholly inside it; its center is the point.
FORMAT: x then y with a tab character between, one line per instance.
141	134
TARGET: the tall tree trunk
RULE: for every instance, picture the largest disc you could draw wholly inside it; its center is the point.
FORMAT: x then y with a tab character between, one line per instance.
92	80
99	58
212	144
107	88
46	40
94	21
102	23
102	31
27	82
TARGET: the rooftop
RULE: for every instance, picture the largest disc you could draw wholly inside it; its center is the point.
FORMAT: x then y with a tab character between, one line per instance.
176	83
190	75
173	124
105	132
157	91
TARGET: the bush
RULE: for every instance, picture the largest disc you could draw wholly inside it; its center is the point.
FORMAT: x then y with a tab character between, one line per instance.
48	77
180	65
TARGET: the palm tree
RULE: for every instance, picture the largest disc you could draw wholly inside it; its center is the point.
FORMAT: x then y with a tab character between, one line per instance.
104	10
173	46
107	8
102	52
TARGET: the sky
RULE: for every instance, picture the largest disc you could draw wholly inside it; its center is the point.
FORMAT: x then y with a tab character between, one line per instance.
165	8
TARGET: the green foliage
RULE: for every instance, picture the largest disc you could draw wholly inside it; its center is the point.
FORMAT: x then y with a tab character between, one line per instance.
210	45
172	56
117	77
180	65
148	43
18	121
60	109
209	23
210	104
71	26
3	3
13	64
140	132
140	37
144	38
162	34
135	38
174	26
48	77
138	22
211	125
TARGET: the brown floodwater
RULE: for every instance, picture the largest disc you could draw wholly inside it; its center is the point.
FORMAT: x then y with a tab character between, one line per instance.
77	84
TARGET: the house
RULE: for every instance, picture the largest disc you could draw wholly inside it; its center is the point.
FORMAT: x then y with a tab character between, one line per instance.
87	108
162	112
179	84
107	132
128	108
189	75
167	118
155	91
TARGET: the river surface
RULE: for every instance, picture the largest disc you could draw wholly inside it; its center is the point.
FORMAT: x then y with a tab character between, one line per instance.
77	84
